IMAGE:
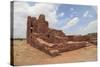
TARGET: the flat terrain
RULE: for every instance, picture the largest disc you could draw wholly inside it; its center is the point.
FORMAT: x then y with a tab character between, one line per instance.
24	54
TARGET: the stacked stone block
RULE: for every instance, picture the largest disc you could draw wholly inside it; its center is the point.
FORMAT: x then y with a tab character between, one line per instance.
39	35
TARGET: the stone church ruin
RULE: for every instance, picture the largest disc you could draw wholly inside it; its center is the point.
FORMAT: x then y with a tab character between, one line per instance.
52	41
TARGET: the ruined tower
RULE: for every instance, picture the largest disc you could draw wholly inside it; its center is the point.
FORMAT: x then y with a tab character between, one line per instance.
29	30
39	25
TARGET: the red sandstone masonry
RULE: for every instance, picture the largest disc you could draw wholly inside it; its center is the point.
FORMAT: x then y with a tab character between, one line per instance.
39	35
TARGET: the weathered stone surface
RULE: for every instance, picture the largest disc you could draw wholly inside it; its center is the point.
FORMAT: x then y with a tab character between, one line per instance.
52	41
56	32
29	24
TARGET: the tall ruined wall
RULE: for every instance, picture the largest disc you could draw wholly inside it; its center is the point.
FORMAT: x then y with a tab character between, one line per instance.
29	24
40	26
52	41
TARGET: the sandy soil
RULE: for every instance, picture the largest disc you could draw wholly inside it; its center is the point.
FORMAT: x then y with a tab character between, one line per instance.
24	54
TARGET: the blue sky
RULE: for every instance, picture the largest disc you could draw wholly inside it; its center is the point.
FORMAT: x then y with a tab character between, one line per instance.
71	19
71	11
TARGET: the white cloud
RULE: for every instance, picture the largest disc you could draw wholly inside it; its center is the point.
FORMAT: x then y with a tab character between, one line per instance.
23	9
49	10
71	23
86	14
90	15
95	8
72	9
61	14
90	28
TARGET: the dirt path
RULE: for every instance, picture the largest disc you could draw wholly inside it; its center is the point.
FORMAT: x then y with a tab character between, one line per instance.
24	54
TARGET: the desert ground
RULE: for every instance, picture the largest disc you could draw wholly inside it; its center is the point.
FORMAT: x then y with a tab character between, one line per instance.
24	54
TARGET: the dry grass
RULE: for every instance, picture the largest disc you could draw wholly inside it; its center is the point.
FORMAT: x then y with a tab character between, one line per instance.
24	54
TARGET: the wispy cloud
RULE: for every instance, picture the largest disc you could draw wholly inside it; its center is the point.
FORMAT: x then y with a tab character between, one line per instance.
61	14
56	17
86	14
72	9
71	23
90	28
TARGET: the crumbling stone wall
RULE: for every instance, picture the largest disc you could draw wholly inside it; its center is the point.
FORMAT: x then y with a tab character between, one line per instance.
29	30
39	35
56	32
41	27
